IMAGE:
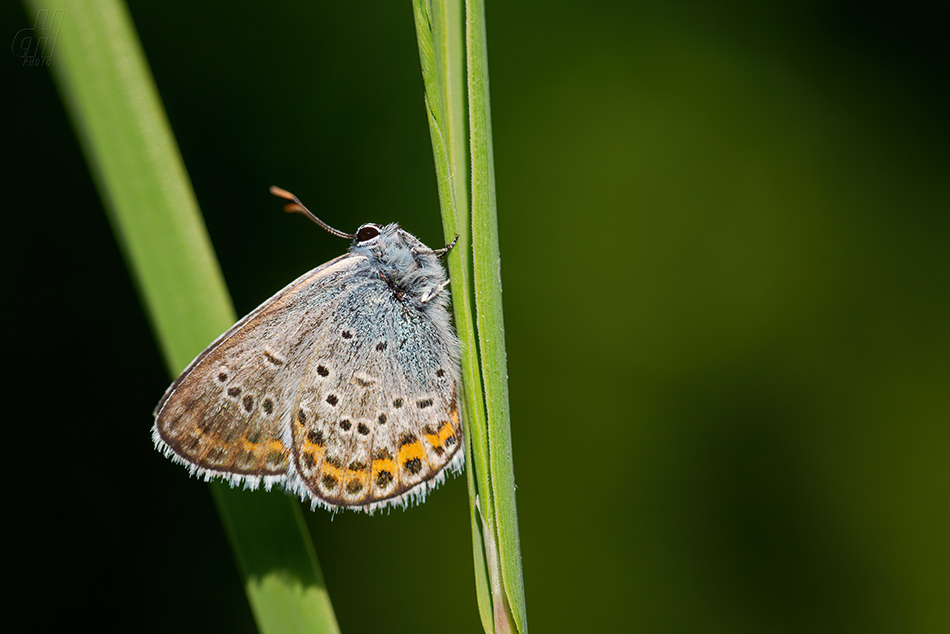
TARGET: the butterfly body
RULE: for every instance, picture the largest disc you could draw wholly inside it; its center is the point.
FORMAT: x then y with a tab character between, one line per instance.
342	387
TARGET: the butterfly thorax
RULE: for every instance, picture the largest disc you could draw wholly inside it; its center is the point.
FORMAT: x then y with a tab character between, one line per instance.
410	268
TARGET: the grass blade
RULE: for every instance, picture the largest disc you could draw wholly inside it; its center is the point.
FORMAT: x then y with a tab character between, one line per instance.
508	590
499	583
449	46
110	96
446	126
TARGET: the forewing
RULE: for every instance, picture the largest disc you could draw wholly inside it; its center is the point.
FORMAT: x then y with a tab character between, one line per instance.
229	412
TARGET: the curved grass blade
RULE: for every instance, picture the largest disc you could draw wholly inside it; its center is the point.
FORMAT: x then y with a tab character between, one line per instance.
110	96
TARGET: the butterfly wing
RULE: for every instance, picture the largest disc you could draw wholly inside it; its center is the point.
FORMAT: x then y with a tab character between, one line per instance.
375	421
228	414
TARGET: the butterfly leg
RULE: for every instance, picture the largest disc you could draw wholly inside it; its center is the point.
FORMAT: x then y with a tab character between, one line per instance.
432	292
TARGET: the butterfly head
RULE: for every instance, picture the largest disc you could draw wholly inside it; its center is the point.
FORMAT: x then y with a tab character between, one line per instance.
411	269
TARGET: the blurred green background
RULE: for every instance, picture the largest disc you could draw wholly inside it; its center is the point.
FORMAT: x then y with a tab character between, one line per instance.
725	233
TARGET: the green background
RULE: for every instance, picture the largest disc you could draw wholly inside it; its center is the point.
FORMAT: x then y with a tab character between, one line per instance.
726	260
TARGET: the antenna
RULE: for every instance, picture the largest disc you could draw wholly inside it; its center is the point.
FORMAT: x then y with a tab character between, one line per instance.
297	207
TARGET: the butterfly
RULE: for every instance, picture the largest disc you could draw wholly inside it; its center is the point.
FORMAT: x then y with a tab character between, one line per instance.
342	388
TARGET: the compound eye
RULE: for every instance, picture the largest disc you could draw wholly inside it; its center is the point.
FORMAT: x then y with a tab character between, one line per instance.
366	233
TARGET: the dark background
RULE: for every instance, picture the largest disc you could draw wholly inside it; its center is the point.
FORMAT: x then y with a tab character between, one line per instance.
727	296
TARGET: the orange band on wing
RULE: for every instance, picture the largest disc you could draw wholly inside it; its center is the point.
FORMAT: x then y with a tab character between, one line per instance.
409	451
329	470
437	439
383	465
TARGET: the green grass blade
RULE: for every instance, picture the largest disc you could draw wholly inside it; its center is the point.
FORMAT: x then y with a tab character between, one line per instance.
282	576
110	96
491	339
449	47
499	580
439	36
